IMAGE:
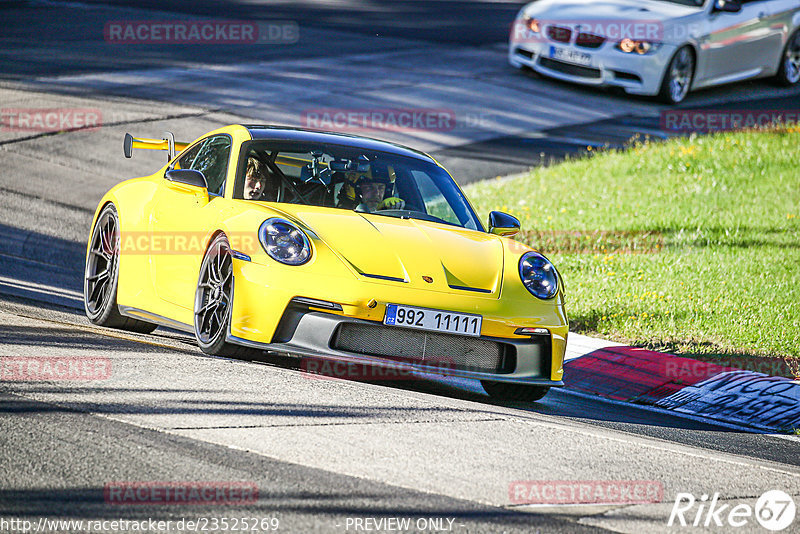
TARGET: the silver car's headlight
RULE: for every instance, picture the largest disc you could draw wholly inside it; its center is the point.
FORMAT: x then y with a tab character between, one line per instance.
631	46
531	24
538	275
284	242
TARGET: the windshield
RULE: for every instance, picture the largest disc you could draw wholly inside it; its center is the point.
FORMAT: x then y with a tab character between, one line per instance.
352	178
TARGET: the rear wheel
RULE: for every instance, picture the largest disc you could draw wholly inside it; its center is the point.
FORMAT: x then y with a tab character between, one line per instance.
214	300
101	276
678	77
514	392
789	71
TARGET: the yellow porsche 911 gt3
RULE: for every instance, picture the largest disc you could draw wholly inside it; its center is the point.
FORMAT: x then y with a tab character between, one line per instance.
324	245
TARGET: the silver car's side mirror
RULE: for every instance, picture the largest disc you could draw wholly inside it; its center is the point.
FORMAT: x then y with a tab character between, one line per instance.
503	224
727	6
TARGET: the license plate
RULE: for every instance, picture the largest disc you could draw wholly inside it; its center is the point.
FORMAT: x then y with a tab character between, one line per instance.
570	56
436	320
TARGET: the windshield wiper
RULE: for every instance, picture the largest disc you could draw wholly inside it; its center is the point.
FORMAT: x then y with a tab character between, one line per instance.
408	214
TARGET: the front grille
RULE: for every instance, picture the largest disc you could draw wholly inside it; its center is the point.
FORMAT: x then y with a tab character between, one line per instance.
589	40
569	68
427	348
559	34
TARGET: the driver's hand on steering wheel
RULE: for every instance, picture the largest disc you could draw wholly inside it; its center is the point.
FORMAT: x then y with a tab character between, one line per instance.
392	203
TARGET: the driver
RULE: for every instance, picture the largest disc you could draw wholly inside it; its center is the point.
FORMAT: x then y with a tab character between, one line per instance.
368	192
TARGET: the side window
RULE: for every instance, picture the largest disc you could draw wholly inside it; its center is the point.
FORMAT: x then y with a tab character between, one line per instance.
211	158
186	160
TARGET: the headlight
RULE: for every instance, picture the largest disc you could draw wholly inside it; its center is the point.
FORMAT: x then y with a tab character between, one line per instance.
531	24
284	242
538	275
630	46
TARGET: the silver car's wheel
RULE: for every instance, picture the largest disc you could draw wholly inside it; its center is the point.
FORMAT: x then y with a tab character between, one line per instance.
789	71
678	76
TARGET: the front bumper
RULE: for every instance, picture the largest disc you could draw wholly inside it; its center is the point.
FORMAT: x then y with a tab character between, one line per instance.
636	74
315	334
284	310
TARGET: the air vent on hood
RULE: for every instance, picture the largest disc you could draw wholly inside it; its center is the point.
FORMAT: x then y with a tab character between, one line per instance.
476	289
382	277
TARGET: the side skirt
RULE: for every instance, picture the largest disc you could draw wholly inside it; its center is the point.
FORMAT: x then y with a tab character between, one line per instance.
160	320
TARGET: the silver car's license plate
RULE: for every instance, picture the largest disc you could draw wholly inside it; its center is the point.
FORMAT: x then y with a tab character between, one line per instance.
570	56
435	320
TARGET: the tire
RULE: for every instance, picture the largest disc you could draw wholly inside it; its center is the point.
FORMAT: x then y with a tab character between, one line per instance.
213	302
789	69
678	76
101	277
514	392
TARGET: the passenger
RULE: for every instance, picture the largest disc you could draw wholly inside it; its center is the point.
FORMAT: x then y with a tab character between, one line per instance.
255	180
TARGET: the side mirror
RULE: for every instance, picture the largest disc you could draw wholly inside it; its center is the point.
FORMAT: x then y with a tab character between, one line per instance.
187	177
727	6
503	224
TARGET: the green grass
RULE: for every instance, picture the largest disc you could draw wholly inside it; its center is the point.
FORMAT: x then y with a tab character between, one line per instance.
690	246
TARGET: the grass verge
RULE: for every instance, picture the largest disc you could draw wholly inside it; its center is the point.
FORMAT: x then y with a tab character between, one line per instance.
691	246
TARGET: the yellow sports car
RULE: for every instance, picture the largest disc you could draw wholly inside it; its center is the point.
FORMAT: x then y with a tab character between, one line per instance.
324	245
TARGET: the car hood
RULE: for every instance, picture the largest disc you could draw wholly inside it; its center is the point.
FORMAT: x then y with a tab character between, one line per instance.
387	248
585	11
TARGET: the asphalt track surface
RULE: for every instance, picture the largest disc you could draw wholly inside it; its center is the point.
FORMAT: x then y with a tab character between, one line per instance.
320	451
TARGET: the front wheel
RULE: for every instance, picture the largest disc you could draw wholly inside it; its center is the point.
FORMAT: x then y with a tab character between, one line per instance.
678	77
789	70
514	392
214	300
101	276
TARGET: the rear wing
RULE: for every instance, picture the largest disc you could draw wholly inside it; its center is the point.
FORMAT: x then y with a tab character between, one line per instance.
168	143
